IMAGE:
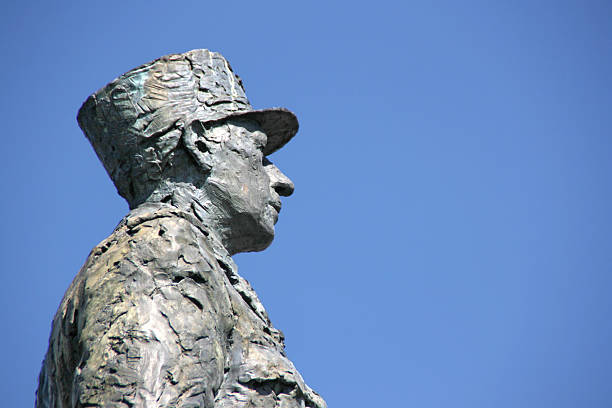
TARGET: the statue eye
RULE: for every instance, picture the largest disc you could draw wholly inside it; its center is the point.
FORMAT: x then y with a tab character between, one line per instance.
201	146
260	139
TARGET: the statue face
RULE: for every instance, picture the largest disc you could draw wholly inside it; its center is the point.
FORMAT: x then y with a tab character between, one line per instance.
243	186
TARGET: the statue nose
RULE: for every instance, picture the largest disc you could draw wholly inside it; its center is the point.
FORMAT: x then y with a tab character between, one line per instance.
278	181
283	187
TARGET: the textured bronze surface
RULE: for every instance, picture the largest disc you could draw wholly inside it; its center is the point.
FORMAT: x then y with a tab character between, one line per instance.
158	316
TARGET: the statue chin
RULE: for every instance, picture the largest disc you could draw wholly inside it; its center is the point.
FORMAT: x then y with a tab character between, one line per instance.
260	245
267	223
250	235
248	244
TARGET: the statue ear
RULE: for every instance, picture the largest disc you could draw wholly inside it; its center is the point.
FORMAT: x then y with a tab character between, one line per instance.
198	146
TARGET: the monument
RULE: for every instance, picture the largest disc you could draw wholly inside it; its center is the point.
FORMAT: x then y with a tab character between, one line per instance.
158	315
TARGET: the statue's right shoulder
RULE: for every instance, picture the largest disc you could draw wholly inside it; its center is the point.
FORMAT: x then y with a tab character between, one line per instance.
154	240
132	295
155	229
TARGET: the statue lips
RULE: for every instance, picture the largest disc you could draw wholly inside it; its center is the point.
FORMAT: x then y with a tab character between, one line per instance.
276	205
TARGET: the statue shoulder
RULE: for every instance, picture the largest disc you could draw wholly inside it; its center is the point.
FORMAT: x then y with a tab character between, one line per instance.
152	245
154	230
151	288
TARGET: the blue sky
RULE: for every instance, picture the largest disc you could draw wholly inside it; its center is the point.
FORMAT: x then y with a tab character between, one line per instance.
449	240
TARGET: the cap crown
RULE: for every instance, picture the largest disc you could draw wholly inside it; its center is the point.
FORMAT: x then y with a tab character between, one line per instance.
133	121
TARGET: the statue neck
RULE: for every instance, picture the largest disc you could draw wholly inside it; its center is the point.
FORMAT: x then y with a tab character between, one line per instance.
187	198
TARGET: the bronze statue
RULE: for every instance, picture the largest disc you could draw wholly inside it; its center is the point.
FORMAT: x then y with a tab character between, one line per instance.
158	316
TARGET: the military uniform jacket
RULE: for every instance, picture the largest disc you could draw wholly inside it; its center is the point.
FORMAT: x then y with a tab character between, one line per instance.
158	317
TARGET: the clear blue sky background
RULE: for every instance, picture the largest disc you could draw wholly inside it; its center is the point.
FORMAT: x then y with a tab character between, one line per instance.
449	240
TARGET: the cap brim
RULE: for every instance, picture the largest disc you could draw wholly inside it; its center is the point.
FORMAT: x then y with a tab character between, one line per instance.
279	124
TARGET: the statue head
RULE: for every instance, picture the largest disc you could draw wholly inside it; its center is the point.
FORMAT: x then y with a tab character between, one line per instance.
181	130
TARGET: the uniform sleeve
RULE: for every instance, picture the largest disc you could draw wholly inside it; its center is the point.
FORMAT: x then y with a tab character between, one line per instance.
145	323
